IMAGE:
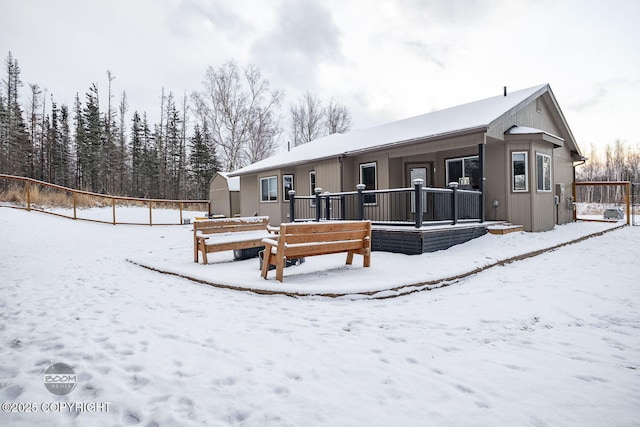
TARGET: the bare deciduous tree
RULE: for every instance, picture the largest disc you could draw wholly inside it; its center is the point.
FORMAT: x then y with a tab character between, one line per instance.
337	118
306	120
311	120
241	113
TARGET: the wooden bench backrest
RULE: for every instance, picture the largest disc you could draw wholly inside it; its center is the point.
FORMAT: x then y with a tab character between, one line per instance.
325	232
224	225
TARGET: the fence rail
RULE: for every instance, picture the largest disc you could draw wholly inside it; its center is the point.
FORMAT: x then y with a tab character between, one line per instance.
593	197
416	206
33	195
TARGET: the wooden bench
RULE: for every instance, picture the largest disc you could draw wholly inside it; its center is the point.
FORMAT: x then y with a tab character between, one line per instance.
240	233
298	240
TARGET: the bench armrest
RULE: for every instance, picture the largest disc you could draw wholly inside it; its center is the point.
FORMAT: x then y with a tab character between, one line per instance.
270	242
273	230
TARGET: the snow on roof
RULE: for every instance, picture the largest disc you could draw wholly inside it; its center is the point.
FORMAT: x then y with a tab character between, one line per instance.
233	182
474	115
523	130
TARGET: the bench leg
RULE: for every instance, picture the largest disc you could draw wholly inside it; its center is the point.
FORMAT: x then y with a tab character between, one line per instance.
195	251
349	258
266	259
280	269
203	249
367	260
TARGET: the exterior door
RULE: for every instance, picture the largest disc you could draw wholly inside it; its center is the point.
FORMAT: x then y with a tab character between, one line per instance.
421	171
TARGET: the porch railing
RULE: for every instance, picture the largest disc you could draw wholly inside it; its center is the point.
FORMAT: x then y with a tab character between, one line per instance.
415	206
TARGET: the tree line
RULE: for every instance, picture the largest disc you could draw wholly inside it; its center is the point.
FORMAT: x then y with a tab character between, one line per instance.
235	119
617	162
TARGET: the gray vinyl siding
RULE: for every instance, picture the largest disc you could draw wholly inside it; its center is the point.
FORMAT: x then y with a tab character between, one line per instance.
528	116
542	205
518	205
497	172
563	168
249	196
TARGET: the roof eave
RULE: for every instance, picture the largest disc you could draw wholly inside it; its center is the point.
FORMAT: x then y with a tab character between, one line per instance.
396	144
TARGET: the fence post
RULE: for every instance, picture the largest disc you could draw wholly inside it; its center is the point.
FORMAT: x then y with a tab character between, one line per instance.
318	203
343	208
292	205
627	201
28	191
360	188
454	201
417	199
113	210
75	204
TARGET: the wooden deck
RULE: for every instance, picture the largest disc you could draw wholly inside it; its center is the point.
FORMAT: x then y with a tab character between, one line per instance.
412	241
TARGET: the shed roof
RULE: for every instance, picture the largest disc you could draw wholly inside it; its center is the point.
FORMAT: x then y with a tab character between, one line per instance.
476	115
233	182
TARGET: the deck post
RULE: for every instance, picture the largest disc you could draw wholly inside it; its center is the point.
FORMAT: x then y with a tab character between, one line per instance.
481	158
318	203
360	188
292	205
418	183
343	208
454	201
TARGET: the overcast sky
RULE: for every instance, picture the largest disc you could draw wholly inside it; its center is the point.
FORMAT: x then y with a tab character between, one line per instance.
385	60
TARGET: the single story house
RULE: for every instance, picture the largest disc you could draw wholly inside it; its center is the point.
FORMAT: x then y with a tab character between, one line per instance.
224	194
516	147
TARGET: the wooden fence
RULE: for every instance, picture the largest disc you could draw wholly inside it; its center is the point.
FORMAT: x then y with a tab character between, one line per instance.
33	195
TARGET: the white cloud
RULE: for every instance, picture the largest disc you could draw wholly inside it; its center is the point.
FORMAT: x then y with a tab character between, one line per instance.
385	60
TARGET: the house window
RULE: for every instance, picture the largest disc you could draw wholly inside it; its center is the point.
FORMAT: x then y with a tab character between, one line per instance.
520	171
269	189
369	177
312	186
543	169
287	185
464	167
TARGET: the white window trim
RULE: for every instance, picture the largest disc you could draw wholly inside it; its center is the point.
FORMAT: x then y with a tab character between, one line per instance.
375	177
311	190
285	192
268	179
526	172
543	190
456	159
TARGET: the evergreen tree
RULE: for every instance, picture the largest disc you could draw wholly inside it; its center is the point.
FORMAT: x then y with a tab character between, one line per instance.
203	162
64	148
79	142
137	154
92	143
13	129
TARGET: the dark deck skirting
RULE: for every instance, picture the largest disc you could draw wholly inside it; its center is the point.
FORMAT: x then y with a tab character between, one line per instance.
415	242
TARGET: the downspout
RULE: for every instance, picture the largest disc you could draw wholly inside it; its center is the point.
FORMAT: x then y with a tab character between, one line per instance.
574	193
341	161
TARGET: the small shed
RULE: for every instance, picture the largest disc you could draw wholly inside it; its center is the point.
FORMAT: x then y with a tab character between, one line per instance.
224	194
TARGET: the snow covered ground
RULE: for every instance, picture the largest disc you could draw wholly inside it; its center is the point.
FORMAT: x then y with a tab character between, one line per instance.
552	340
